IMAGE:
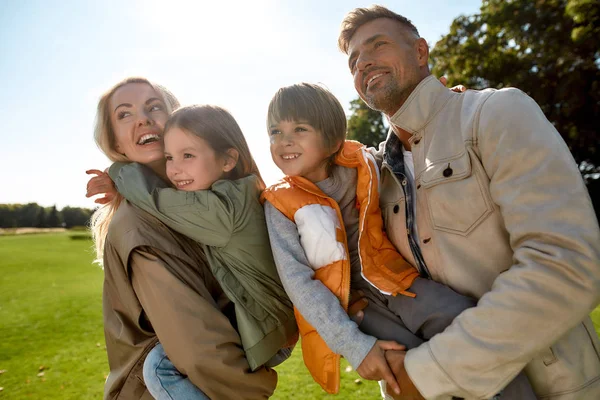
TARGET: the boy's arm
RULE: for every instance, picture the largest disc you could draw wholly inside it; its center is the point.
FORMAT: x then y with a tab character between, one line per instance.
202	215
315	302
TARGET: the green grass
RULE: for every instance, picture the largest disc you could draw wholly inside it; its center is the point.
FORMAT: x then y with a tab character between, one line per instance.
50	313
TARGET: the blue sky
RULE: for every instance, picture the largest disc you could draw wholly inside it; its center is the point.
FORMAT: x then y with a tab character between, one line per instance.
57	57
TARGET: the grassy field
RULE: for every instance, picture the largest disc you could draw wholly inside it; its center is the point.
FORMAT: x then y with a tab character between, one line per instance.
51	340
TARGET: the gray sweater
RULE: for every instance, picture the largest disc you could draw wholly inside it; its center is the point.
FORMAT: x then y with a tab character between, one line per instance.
317	304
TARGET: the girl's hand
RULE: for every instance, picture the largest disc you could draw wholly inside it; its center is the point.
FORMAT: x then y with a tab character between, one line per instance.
100	184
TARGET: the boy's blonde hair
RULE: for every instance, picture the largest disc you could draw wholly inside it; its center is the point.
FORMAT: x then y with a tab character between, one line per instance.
220	130
313	104
104	136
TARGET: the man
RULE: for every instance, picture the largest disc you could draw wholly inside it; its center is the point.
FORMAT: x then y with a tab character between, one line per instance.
479	192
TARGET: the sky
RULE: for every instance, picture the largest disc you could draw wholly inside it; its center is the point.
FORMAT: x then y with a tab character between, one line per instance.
58	57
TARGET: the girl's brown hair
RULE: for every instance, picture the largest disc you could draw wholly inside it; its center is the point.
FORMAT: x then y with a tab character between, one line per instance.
104	136
220	130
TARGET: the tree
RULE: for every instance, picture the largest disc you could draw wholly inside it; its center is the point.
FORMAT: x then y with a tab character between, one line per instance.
365	125
548	48
53	220
75	216
41	218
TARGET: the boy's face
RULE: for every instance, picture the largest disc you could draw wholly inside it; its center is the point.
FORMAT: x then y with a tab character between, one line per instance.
192	164
298	149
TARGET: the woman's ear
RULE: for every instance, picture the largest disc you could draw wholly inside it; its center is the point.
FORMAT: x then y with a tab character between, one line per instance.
231	159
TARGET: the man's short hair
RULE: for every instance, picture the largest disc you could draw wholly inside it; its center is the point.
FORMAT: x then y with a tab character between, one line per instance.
360	16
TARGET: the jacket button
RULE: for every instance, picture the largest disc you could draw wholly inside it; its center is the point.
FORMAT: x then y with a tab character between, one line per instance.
416	141
447	172
396	209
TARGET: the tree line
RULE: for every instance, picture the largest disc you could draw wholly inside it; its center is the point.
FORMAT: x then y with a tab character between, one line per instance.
36	216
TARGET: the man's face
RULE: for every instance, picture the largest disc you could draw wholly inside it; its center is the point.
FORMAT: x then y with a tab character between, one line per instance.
387	62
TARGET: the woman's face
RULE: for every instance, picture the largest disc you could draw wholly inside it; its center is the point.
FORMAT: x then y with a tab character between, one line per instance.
138	116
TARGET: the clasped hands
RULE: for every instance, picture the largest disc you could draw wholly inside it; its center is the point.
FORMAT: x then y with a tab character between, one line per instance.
385	360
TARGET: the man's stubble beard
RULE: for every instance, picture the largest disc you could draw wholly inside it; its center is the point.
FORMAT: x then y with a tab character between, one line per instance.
389	98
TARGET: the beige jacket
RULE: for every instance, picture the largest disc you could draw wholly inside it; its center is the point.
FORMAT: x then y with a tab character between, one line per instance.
502	215
158	286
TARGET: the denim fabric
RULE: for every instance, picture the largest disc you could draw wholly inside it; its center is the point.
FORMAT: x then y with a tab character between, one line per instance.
165	382
392	156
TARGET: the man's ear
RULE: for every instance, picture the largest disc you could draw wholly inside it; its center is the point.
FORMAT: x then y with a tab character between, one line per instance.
422	51
231	159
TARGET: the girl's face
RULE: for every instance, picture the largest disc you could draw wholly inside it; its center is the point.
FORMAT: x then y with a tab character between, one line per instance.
298	149
192	164
138	116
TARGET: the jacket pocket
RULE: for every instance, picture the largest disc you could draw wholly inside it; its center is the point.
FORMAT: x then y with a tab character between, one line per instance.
570	369
456	195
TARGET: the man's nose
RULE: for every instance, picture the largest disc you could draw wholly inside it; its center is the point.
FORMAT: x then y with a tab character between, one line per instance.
363	61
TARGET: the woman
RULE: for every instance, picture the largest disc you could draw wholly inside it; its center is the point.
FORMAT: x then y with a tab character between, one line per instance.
157	284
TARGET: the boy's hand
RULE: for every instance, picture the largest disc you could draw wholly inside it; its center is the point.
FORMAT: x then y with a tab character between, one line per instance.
375	366
100	184
358	302
395	360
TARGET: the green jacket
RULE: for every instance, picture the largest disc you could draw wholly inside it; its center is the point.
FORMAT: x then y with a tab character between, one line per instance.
228	220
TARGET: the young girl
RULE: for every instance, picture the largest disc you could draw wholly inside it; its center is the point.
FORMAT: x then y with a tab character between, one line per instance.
326	232
215	200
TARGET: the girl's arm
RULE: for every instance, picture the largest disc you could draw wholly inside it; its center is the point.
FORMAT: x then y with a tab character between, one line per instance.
317	304
203	215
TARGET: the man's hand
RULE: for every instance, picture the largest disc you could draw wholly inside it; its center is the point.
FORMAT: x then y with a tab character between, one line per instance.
395	360
375	367
100	184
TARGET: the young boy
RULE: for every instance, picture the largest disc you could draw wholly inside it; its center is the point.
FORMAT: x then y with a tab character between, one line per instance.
327	237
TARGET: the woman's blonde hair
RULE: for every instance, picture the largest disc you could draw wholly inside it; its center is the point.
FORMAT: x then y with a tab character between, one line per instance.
104	136
220	130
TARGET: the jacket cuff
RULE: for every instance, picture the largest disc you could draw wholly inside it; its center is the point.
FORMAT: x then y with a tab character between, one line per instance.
360	348
428	376
114	169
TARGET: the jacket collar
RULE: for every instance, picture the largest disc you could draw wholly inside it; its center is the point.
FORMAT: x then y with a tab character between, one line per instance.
422	105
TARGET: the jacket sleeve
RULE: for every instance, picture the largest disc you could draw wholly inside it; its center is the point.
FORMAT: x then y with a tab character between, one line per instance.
199	339
315	302
202	215
553	231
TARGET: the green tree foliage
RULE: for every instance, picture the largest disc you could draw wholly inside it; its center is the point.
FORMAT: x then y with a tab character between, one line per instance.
41	218
548	48
75	216
365	125
53	220
33	215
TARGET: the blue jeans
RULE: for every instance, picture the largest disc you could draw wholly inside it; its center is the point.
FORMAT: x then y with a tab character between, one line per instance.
164	381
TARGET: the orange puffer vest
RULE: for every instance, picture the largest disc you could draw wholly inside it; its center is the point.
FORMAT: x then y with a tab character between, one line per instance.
304	203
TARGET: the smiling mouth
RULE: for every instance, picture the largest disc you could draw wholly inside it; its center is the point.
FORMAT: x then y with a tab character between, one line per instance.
373	78
181	184
290	156
148	138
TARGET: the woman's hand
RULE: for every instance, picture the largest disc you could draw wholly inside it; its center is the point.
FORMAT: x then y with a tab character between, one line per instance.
376	367
100	184
457	88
